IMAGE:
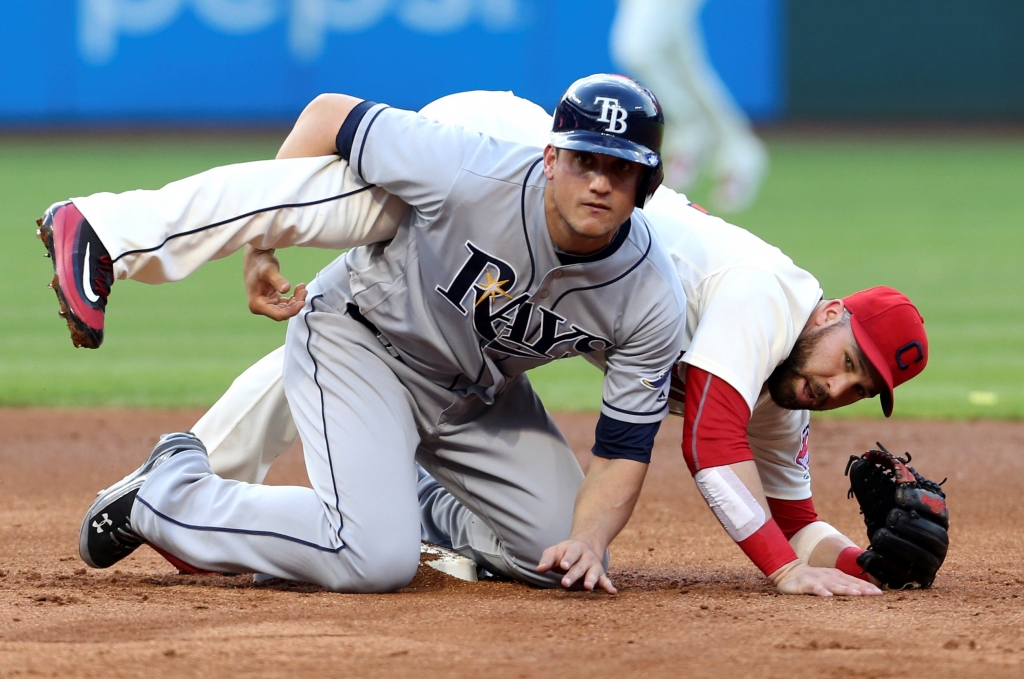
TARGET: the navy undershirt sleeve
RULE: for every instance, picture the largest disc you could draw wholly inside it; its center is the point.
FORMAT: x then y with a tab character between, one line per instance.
347	133
616	439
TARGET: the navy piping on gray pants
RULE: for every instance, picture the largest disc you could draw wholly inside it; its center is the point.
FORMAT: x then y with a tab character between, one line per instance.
241	531
323	413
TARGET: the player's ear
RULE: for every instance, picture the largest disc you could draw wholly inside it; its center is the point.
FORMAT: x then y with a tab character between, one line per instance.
550	155
828	312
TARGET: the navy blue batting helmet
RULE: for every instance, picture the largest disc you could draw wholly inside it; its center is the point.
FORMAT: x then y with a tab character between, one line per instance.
615	116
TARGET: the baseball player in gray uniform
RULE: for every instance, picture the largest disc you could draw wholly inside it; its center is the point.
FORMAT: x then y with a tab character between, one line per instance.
763	348
252	424
416	348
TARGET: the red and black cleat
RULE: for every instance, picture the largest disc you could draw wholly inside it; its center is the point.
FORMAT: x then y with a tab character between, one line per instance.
82	268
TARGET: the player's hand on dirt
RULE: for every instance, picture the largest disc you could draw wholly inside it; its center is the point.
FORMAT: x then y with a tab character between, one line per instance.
799	578
265	287
580	562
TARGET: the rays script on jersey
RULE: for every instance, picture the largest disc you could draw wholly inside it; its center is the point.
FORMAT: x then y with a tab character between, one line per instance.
508	328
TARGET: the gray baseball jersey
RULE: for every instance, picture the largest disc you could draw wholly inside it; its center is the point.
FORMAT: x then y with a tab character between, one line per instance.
468	295
473	291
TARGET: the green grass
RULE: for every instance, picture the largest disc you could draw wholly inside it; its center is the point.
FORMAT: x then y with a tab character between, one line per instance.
940	220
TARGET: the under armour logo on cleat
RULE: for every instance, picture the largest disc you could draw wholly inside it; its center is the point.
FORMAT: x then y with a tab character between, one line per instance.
98	525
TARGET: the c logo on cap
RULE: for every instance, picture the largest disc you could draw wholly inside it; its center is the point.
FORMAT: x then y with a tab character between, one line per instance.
904	349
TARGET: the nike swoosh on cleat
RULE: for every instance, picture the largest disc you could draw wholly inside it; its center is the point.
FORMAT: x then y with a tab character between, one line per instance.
90	294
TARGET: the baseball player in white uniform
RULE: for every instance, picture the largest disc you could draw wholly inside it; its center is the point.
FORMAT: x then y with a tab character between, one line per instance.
251	425
508	258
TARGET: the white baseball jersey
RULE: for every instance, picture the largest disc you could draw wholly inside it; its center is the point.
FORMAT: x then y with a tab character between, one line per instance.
747	304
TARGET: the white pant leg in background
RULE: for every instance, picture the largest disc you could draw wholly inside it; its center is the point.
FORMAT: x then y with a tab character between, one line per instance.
661	43
645	40
251	425
358	529
165	234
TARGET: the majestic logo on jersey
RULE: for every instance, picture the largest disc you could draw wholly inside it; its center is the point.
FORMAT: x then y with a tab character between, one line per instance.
507	328
613	114
803	457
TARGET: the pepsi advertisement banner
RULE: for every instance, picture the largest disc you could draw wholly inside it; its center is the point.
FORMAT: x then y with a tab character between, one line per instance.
260	61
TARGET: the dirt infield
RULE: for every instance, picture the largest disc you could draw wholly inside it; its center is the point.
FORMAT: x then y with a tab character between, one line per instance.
690	605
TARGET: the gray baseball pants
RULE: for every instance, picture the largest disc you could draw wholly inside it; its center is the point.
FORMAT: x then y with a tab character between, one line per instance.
365	419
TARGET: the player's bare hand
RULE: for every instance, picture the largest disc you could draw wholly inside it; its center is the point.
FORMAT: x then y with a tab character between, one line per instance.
799	578
580	562
265	287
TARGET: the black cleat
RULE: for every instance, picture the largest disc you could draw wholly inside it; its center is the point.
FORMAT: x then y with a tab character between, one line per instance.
107	535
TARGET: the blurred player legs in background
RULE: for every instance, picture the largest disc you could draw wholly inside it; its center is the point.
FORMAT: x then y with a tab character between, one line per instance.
660	42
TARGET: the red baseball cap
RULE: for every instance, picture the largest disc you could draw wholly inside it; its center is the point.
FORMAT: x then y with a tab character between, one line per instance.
890	332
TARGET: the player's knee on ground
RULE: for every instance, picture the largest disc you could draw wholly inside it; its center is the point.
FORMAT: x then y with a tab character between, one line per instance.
375	568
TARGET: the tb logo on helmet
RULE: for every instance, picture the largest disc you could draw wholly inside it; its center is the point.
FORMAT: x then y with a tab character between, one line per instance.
612	113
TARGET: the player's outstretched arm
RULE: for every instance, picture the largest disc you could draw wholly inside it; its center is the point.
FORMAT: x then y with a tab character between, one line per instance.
603	506
795	577
316	131
718	455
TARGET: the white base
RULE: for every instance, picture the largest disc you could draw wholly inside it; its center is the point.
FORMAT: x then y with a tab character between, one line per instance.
449	562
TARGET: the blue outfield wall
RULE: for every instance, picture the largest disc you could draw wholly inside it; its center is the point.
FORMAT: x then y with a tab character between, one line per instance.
260	61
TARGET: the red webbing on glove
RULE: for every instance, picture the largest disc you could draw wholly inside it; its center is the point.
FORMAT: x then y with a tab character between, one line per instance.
714	422
792	515
768	548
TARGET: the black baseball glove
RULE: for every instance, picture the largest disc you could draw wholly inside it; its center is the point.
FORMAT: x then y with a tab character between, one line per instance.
906	517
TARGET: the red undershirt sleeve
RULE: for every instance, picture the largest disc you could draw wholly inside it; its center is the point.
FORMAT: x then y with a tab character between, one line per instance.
792	515
715	435
714	422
